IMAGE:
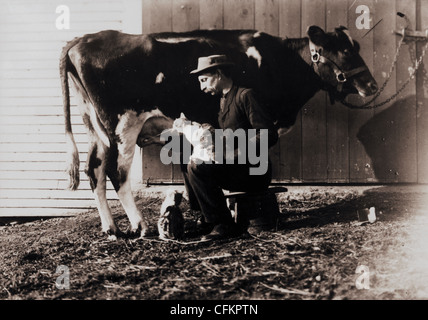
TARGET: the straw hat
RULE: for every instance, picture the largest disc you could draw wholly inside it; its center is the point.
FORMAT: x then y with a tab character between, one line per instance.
205	63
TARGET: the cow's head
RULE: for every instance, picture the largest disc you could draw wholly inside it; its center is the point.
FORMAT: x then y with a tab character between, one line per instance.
337	61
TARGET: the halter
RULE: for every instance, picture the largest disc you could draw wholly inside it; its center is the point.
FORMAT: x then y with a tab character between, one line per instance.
341	76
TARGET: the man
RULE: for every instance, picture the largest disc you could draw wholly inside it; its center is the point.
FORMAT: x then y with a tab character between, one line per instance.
204	182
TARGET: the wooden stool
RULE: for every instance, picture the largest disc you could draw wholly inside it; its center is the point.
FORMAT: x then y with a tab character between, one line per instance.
256	209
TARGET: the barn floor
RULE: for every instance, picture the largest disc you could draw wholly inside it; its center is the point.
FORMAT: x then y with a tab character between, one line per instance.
319	251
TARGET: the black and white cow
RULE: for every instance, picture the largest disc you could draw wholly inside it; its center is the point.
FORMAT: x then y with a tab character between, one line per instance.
125	80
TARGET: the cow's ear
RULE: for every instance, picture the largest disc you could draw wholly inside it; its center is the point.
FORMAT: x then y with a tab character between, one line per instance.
317	35
356	46
340	28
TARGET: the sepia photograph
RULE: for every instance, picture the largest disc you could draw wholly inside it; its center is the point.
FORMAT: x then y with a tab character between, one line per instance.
219	156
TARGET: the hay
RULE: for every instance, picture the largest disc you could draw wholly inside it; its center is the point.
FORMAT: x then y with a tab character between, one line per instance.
313	254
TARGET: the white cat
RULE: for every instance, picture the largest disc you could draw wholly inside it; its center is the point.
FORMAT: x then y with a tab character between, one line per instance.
201	136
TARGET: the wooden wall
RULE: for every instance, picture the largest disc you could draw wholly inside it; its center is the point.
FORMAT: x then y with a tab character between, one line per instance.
329	143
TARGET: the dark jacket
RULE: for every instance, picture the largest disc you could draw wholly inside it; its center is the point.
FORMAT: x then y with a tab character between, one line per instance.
241	110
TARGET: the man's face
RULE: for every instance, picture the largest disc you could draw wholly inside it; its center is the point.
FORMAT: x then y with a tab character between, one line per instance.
210	83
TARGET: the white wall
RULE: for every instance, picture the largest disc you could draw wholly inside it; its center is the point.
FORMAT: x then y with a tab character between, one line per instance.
32	142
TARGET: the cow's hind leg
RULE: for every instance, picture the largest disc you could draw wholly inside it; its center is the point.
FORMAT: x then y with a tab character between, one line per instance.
96	160
119	163
118	170
96	172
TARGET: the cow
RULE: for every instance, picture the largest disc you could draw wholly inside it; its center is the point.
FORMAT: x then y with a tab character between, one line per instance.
125	81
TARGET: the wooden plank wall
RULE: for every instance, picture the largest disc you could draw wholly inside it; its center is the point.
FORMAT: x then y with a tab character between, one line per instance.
32	141
422	99
329	143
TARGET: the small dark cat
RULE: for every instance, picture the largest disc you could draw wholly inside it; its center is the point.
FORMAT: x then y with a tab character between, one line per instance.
171	221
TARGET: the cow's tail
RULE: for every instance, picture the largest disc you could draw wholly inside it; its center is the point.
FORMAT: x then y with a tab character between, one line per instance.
73	161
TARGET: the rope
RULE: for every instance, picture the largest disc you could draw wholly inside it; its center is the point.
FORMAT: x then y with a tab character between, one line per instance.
412	75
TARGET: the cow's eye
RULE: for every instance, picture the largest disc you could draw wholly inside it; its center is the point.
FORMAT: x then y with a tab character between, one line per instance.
346	52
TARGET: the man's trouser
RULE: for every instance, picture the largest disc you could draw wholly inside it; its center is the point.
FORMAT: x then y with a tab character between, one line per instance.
205	183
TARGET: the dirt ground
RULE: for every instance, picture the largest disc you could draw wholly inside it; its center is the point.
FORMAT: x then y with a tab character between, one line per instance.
319	250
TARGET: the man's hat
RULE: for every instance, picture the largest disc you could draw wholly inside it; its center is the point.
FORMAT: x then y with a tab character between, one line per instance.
205	63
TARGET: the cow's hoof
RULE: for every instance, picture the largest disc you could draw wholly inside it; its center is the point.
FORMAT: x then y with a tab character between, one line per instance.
140	231
144	229
144	233
133	233
112	235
